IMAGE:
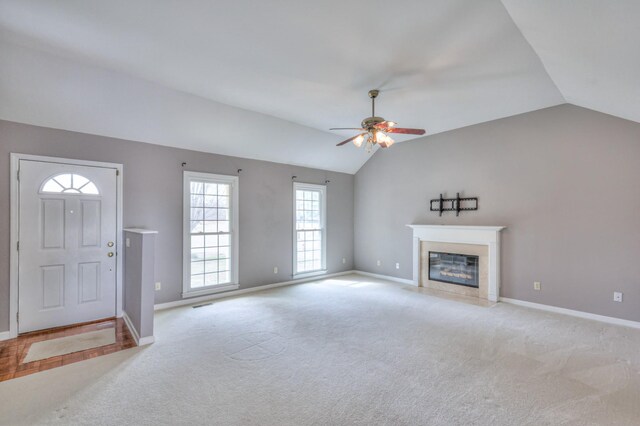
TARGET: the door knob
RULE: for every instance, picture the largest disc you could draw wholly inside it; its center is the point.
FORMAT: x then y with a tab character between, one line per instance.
110	254
110	244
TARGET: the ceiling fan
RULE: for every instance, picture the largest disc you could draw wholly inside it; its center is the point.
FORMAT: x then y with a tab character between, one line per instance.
374	129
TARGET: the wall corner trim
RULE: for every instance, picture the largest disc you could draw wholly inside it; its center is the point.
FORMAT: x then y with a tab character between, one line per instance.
146	341
139	341
573	313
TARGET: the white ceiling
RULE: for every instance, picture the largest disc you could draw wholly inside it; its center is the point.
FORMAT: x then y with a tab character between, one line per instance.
46	90
266	79
590	48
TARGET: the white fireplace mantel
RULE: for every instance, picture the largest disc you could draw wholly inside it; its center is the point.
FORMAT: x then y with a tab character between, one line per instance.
481	235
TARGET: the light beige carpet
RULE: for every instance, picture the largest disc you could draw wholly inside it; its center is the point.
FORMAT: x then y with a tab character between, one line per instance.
69	344
347	351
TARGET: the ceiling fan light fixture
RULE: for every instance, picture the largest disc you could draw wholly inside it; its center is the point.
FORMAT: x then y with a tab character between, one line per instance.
376	129
384	140
370	143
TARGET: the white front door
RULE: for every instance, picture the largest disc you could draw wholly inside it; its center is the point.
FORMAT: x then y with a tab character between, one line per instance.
67	237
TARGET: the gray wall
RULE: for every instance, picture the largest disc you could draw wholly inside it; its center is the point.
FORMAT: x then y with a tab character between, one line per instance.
139	279
565	180
153	199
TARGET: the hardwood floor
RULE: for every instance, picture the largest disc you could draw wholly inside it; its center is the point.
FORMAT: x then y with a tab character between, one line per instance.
13	351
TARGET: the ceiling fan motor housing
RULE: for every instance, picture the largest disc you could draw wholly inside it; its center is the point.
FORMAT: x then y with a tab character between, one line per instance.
369	122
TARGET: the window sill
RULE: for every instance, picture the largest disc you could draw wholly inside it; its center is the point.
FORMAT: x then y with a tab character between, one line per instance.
310	274
210	290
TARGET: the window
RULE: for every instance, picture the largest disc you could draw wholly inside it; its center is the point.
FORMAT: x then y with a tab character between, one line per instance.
210	233
309	228
69	183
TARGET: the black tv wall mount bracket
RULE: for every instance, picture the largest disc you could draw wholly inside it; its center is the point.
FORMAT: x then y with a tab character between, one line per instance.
457	204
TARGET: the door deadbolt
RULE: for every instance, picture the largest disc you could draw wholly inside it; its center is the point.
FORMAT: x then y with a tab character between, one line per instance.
110	244
110	254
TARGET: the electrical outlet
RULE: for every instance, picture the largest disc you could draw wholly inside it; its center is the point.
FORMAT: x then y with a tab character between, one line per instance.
536	285
344	260
128	242
275	269
397	265
158	286
617	296
379	263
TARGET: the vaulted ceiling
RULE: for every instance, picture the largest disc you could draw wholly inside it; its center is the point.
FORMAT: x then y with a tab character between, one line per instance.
267	79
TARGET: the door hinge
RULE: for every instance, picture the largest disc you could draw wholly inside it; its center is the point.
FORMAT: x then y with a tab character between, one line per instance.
18	246
18	175
117	172
17	316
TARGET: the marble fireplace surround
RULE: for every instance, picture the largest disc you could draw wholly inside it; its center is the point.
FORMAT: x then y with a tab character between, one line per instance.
478	235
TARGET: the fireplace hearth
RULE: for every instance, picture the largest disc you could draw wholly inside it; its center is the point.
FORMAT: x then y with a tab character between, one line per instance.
454	268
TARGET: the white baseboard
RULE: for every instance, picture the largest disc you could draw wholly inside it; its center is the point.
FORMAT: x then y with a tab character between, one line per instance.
146	340
5	335
548	308
385	277
571	312
139	341
197	300
130	326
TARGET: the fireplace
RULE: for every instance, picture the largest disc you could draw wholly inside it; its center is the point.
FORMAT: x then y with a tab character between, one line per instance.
480	241
454	268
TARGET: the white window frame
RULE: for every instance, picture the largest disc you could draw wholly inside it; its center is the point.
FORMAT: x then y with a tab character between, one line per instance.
323	220
188	177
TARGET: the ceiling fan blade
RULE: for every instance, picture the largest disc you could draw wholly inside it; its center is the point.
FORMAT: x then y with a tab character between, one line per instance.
346	128
405	131
385	124
350	139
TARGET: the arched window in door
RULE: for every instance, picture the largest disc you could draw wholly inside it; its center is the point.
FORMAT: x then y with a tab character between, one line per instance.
69	183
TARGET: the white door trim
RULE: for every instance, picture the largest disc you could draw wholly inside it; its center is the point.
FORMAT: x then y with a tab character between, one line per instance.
14	215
